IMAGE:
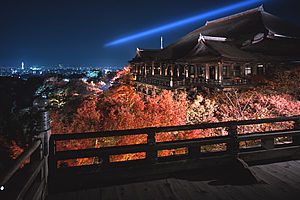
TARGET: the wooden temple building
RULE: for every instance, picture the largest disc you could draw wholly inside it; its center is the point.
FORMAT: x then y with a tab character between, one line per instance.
223	53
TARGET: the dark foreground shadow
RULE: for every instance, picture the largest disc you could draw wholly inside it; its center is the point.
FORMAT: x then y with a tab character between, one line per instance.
236	172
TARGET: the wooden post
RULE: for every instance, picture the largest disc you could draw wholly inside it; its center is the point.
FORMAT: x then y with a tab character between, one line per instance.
220	72
166	70
243	67
254	68
233	146
194	151
135	72
206	72
152	72
186	71
171	73
151	153
296	139
160	69
216	73
267	143
145	70
196	71
42	133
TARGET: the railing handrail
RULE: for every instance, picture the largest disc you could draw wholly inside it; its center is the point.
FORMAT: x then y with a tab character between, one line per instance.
27	177
197	153
26	154
206	125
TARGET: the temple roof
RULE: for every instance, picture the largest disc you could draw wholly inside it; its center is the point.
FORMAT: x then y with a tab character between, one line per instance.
247	36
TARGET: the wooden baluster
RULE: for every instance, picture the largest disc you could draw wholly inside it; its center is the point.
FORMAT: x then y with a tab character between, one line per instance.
194	151
233	146
296	139
151	153
267	143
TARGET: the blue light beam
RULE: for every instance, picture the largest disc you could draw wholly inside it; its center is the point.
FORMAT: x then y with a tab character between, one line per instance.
182	22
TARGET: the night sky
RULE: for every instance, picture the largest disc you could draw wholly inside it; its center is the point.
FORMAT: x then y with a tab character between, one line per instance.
74	32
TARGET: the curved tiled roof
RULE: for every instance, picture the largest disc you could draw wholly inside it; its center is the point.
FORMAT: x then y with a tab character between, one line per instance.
239	29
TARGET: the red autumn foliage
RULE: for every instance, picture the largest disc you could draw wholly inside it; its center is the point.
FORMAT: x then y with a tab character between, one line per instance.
121	107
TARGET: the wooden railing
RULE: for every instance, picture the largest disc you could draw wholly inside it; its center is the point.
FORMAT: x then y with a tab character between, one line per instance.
192	82
31	180
27	177
108	171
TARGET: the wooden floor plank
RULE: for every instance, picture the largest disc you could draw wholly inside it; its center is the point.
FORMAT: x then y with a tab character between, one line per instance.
108	193
289	172
273	184
281	182
245	192
186	189
281	175
276	185
200	190
210	191
295	165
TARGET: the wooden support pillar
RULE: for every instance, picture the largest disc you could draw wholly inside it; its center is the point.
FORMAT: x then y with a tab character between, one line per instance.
296	139
136	70
166	70
231	70
145	70
140	69
186	67
206	72
152	72
172	73
233	145
216	72
43	133
151	154
220	78
160	69
243	67
267	143
196	71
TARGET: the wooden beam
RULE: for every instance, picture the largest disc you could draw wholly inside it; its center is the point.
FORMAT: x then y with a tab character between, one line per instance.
265	155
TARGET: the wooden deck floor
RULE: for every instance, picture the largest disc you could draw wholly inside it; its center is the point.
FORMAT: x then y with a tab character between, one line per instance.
276	181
